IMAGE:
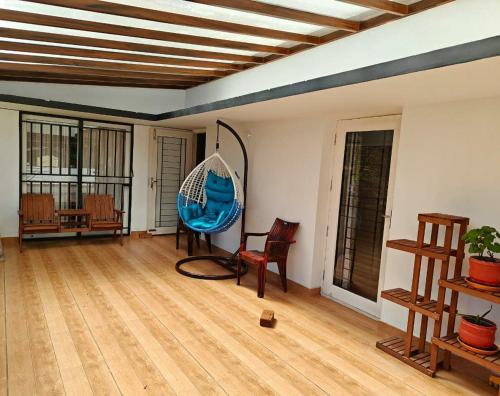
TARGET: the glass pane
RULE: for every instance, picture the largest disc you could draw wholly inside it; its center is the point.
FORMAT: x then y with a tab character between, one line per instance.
365	179
171	171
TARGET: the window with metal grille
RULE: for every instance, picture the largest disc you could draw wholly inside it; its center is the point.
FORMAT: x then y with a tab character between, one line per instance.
70	158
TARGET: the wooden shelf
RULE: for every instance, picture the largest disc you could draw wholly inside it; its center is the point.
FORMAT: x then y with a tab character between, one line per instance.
402	297
450	343
395	346
442	219
410	246
460	285
427	253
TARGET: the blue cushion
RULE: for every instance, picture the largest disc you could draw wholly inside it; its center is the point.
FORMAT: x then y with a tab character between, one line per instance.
213	207
206	222
220	198
219	184
185	213
220	195
191	211
197	210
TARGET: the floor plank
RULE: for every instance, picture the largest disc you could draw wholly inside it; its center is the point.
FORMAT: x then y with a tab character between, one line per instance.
93	317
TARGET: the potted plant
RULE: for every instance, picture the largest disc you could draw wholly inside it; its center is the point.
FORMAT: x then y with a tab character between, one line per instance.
484	269
477	331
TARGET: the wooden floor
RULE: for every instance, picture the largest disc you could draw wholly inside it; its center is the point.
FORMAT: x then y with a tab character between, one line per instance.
93	317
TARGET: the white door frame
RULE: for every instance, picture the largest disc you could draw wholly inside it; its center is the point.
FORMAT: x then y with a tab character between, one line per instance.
328	289
153	163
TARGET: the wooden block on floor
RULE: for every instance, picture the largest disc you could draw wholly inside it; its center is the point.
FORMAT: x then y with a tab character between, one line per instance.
267	318
140	235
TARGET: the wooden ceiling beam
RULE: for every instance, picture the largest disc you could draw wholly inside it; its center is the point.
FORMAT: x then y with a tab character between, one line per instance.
106	7
425	5
84	73
57	73
124	45
65	76
379	20
283	12
57	60
98	27
106	82
124	69
419	6
381	5
108	55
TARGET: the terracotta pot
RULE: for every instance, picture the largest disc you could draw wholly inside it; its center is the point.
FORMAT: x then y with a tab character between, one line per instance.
483	271
478	336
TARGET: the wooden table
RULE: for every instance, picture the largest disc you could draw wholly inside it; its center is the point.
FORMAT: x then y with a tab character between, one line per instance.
78	220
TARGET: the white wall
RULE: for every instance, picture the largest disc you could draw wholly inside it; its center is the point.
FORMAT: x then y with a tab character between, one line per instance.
457	22
140	184
448	161
9	172
143	100
283	181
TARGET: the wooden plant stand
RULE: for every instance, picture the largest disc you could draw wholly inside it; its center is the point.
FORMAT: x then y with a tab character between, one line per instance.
413	352
449	342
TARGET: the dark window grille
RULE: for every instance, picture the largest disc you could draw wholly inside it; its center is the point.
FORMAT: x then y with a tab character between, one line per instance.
70	158
365	181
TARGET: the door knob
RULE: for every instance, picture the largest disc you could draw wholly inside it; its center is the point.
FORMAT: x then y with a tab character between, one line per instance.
152	182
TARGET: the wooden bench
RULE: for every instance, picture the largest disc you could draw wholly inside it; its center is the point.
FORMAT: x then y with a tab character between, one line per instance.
37	215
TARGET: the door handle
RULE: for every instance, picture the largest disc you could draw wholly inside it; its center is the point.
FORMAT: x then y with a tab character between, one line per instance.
387	217
152	182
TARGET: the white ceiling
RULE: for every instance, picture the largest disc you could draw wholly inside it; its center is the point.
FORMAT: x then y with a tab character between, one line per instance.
478	79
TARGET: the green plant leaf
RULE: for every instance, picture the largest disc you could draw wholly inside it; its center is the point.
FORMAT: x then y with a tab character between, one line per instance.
481	239
495	248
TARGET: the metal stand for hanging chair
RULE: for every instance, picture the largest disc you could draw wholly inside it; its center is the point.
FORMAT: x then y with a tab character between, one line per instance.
227	262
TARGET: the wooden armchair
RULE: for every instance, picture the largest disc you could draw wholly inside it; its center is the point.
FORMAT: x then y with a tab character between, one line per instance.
103	215
278	242
37	215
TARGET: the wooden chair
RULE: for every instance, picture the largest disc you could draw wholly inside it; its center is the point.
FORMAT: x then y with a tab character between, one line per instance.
103	215
37	215
278	242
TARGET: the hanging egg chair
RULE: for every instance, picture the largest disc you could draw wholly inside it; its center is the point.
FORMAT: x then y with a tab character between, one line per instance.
211	199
